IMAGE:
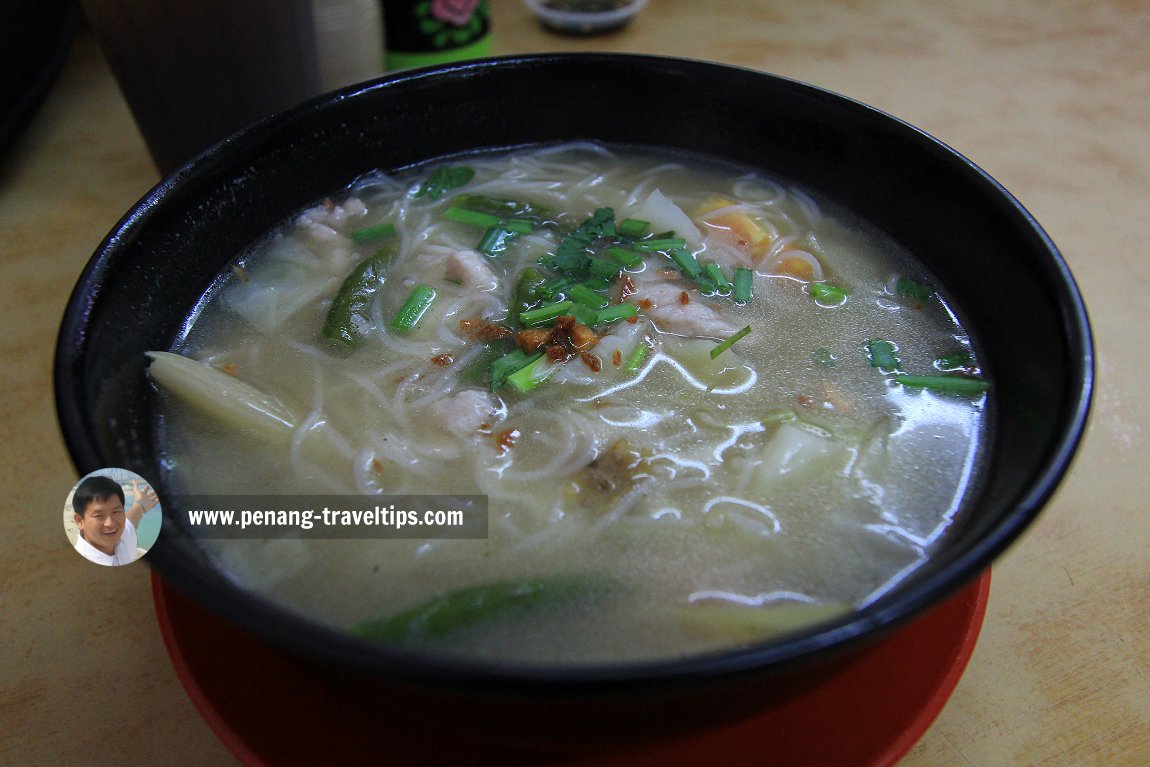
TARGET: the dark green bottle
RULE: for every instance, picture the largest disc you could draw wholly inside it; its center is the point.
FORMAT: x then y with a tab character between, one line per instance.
420	33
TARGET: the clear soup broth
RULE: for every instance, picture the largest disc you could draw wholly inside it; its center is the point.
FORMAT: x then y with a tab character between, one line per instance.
661	480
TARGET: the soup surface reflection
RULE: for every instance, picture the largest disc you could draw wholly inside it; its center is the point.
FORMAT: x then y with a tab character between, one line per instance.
705	408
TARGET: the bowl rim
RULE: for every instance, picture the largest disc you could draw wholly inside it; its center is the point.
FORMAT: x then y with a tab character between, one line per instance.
297	632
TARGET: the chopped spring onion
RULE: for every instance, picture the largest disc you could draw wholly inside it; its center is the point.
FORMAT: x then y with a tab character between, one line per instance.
487	221
369	233
508	364
614	313
413	308
730	342
444	178
544	314
957	361
633	227
553	288
501	207
908	288
599	283
625	257
686	262
587	297
944	383
604	268
496	240
718	280
882	354
532	374
583	314
638	356
744	288
826	293
664	244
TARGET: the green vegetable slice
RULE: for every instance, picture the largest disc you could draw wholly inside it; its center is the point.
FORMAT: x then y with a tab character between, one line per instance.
544	314
370	233
413	308
744	287
826	293
529	289
509	363
633	227
455	611
882	354
615	313
349	316
444	179
727	344
954	384
530	375
908	288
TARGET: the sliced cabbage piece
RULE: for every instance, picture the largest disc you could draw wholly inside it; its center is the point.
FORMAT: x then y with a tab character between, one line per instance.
798	452
665	215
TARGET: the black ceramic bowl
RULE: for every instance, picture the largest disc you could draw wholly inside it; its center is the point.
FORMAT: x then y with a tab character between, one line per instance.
990	254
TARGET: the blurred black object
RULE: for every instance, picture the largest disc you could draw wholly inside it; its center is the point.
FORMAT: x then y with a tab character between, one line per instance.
35	36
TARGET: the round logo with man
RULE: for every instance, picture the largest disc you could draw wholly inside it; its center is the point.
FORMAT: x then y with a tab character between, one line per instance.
112	517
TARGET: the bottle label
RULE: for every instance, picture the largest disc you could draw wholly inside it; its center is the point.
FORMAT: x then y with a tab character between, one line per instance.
434	31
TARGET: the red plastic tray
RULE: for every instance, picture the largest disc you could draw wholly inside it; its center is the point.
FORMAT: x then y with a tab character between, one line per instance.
271	714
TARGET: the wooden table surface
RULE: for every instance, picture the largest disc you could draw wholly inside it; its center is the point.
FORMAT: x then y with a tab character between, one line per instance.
1051	97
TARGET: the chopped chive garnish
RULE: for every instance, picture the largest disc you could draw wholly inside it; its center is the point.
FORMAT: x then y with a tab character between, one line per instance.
909	288
882	354
729	342
719	280
602	267
637	358
583	314
555	287
744	288
625	257
445	178
500	207
956	361
600	283
944	383
587	297
824	358
520	225
662	244
544	314
633	227
369	233
826	293
413	308
686	262
531	375
614	313
474	217
496	241
506	365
